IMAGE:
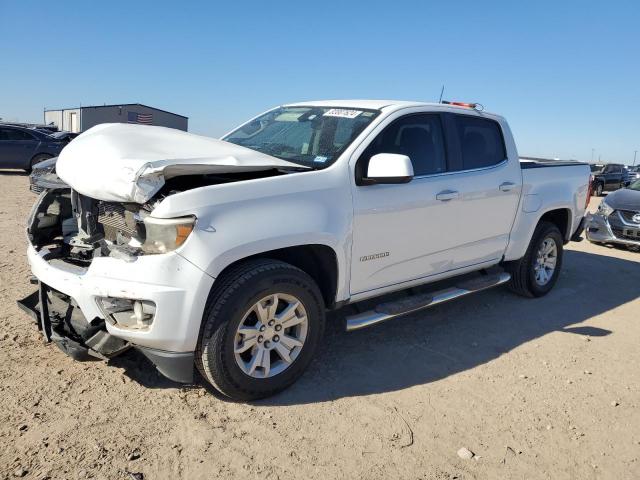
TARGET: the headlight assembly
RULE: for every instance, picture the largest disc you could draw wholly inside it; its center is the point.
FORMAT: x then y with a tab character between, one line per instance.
166	234
605	209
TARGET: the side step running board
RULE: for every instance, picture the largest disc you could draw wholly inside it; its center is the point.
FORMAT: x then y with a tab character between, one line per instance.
389	310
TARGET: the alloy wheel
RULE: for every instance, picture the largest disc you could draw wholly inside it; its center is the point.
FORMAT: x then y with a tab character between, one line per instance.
271	335
546	260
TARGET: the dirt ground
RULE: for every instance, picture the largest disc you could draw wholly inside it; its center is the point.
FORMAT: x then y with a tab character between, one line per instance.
545	388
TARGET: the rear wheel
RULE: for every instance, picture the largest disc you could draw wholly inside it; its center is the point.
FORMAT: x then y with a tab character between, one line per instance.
261	329
599	190
535	274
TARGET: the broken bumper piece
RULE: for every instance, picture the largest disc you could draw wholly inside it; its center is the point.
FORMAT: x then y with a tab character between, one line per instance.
56	326
62	323
154	304
600	229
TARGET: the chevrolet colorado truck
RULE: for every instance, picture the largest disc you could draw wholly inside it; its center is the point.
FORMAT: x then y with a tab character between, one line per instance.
223	256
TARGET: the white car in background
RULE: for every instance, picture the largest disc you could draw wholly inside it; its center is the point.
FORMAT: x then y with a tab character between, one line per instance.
225	254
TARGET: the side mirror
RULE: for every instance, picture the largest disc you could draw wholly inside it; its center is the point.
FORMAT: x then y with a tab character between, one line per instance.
388	168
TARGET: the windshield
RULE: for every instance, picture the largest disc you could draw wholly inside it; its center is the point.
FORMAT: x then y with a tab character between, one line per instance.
596	168
311	136
635	185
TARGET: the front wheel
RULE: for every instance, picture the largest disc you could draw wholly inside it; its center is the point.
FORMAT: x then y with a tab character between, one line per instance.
261	329
535	274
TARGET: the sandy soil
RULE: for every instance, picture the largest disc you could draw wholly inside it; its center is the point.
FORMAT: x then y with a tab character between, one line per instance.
545	388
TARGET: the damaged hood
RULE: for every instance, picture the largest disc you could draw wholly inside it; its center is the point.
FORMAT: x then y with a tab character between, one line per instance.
118	162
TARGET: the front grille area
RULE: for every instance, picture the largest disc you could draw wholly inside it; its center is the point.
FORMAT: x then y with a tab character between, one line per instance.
619	233
33	177
627	216
115	218
36	189
615	220
620	221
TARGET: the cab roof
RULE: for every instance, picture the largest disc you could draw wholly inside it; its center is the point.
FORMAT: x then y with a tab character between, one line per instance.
385	105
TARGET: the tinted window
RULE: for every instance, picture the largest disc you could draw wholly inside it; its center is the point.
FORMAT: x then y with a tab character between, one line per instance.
14	134
417	136
480	140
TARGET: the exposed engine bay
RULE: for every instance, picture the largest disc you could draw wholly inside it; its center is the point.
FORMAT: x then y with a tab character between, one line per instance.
75	228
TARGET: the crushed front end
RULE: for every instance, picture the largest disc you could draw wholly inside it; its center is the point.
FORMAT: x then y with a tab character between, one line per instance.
617	226
109	279
111	274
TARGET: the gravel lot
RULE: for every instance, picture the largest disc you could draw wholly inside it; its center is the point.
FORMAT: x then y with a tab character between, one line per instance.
545	388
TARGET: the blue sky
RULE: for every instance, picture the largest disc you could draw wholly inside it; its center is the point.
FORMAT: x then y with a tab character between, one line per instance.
566	74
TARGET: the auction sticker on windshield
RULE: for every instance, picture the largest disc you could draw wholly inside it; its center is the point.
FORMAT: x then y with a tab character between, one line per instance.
341	112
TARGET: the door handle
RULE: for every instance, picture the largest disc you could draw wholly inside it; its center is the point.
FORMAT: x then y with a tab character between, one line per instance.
506	186
447	195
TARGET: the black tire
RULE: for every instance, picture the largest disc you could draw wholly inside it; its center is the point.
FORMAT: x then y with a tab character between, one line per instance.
37	159
231	298
599	189
522	271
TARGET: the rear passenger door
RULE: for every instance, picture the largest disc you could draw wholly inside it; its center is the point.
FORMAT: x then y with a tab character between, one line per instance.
485	170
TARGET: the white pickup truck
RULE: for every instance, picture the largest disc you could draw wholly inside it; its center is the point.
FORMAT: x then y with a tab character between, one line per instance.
224	255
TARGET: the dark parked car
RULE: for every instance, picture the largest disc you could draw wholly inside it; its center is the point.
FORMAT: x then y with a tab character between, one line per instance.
24	147
617	219
64	136
611	177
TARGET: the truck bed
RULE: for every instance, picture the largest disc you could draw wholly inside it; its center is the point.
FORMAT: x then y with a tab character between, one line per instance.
544	189
531	162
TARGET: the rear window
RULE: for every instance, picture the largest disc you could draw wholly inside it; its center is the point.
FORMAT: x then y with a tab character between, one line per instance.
481	142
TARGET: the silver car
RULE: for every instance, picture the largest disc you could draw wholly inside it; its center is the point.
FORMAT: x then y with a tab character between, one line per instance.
617	219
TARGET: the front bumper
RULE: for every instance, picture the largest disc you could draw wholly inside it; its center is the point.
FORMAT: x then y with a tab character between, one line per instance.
598	229
177	287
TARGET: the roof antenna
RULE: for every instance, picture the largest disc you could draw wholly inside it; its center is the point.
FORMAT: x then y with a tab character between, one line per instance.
441	93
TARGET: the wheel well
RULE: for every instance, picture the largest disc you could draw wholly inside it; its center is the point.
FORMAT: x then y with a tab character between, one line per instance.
560	218
318	261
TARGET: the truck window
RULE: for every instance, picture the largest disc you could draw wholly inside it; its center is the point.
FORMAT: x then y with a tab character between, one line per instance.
418	136
481	142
